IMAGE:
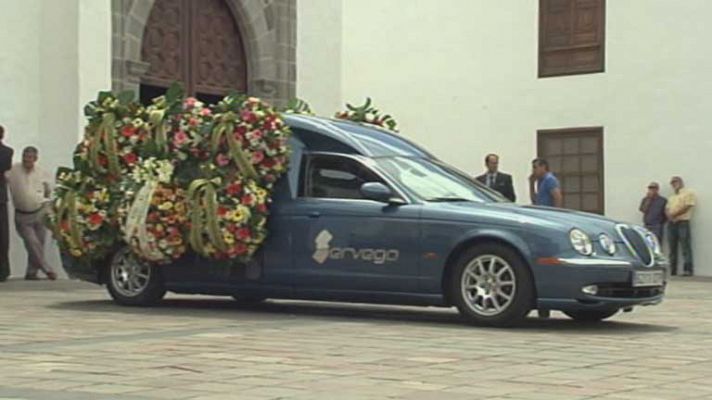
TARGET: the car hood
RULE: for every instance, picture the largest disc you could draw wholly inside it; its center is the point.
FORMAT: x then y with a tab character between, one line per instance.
540	216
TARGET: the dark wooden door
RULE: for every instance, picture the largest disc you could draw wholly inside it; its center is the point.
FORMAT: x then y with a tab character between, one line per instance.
197	43
575	156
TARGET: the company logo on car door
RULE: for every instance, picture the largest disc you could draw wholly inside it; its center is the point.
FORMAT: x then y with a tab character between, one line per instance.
324	252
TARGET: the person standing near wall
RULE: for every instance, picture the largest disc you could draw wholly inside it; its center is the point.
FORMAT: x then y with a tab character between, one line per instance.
653	208
544	188
679	213
30	189
5	165
496	180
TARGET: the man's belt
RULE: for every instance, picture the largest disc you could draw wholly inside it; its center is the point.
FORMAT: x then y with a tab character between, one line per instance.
28	212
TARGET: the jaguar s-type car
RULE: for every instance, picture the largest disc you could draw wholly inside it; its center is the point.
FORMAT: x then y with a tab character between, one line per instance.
365	215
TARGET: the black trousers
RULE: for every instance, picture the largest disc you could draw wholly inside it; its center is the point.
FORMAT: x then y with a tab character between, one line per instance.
680	237
4	242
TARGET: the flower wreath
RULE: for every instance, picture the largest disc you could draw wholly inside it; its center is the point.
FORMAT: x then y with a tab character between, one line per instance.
369	115
153	212
82	216
227	217
250	135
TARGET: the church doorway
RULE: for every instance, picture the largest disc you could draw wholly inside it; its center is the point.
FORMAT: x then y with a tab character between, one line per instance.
196	43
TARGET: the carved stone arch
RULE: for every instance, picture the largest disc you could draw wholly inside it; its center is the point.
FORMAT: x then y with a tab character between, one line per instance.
268	30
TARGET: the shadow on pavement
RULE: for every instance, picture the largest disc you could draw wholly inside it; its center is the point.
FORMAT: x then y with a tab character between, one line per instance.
211	307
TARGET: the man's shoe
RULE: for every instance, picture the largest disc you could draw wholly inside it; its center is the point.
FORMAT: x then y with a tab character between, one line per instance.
52	276
673	273
687	273
32	278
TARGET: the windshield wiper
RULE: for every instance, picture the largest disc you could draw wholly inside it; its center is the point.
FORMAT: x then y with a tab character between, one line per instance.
447	199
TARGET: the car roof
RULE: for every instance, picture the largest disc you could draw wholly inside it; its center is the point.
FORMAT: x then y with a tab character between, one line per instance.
331	135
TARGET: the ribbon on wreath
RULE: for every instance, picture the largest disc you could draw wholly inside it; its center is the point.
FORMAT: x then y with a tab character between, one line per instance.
103	138
225	128
203	202
136	222
157	119
68	209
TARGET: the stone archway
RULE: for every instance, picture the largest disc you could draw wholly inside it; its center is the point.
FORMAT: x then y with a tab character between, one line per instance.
268	32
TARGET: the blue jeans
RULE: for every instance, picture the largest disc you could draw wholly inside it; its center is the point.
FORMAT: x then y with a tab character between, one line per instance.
680	236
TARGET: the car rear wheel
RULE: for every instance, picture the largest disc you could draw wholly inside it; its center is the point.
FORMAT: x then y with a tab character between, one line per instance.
133	282
491	285
590	315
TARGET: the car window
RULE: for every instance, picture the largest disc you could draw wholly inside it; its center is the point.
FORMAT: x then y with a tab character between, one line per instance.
335	177
433	181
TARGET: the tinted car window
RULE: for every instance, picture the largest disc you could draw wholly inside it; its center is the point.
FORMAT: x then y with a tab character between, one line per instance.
335	177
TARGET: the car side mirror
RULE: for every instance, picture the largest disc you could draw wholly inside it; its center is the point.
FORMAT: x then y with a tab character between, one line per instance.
377	191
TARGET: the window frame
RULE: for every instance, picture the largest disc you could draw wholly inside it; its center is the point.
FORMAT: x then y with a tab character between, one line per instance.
598	131
600	68
304	177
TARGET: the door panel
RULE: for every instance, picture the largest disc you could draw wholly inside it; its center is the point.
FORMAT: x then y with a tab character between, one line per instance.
356	245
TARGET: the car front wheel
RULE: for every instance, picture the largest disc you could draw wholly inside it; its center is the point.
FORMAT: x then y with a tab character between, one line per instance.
590	315
491	285
133	282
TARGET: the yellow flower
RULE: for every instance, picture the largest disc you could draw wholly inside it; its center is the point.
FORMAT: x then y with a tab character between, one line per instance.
228	237
240	214
76	252
165	206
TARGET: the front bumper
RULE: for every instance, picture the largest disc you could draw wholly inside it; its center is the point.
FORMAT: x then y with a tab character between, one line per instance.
560	286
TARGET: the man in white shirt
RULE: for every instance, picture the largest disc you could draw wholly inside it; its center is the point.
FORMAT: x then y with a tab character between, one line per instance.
30	189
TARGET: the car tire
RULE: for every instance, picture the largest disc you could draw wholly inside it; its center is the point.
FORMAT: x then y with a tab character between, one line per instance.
133	282
590	315
491	285
245	300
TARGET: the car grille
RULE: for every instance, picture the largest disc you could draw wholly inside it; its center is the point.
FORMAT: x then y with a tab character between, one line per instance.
636	244
627	292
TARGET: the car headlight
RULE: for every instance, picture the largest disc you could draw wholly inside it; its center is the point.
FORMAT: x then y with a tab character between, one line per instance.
652	241
607	244
581	242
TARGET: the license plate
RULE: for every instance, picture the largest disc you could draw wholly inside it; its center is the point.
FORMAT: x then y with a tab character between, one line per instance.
648	278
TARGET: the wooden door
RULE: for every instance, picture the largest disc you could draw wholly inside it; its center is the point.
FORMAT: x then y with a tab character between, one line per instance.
575	156
197	43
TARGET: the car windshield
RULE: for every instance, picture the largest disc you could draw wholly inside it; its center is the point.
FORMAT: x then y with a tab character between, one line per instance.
434	181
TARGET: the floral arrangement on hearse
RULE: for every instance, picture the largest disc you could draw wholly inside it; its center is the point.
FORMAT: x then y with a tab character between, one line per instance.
171	177
177	176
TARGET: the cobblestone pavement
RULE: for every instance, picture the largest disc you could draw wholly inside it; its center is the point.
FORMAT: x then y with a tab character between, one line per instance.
66	340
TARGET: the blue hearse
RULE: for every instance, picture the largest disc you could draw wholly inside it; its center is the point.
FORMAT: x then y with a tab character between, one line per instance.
365	215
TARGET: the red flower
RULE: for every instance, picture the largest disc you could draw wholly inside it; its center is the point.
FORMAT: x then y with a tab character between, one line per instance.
243	233
128	131
103	161
233	189
248	116
240	248
193	121
261	208
247	200
190	102
257	157
96	219
222	210
130	158
180	138
240	131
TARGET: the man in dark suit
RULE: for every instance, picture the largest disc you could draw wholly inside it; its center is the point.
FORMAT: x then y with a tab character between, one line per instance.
5	165
496	180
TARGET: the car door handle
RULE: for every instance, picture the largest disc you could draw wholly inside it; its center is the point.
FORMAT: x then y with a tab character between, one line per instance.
314	214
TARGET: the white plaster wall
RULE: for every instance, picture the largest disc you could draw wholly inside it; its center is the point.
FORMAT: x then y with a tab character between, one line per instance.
319	47
461	78
54	57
